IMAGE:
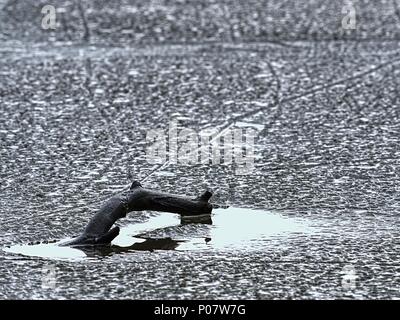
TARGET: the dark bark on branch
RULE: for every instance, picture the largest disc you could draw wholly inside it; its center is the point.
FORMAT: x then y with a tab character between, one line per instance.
98	231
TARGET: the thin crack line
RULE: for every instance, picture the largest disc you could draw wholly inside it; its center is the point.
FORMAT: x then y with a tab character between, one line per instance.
86	34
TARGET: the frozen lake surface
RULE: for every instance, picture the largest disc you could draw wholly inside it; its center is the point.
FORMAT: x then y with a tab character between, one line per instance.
321	204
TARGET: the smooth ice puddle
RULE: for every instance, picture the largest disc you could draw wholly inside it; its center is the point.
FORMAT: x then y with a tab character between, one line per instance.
225	229
48	250
239	228
128	235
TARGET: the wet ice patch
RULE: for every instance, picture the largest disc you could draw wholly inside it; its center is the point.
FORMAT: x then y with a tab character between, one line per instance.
239	228
127	236
48	250
224	229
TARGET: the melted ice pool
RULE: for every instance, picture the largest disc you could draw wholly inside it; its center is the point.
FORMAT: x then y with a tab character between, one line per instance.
225	229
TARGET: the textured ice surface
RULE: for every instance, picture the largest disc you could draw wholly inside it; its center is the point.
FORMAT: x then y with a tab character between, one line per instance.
74	114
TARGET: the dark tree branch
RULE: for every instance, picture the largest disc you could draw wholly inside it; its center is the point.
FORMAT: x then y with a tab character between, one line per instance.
98	231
